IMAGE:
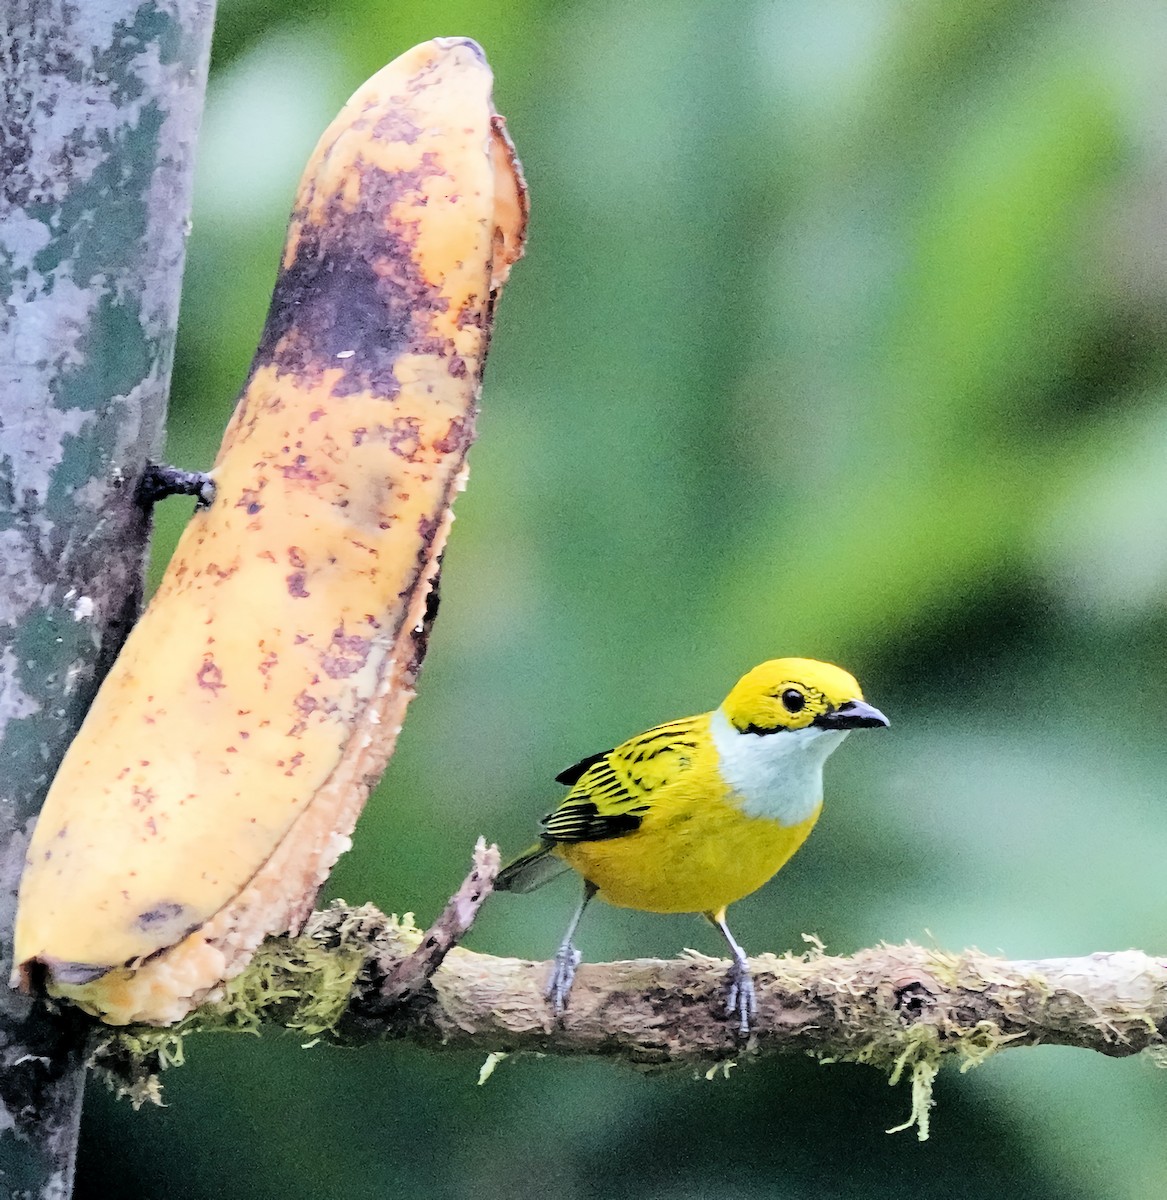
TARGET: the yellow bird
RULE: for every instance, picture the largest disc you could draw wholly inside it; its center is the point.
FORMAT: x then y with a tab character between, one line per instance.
697	813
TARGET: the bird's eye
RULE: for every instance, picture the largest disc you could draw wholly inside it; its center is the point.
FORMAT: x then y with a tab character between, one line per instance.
793	700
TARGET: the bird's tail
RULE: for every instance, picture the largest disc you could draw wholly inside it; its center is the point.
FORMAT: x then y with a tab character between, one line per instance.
533	868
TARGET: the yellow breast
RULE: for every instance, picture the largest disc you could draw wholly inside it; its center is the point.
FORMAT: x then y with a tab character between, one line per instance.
695	851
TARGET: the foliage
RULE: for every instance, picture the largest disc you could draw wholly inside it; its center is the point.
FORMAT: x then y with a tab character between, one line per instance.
840	334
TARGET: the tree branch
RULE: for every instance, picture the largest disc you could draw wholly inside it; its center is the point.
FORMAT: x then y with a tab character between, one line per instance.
357	975
407	976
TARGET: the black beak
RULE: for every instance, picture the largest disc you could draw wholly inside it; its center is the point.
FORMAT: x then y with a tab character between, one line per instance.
852	714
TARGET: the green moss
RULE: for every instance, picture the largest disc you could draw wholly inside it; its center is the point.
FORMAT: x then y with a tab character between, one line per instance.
302	984
914	1051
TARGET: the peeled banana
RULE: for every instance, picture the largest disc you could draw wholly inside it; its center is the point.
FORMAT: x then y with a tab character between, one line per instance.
224	762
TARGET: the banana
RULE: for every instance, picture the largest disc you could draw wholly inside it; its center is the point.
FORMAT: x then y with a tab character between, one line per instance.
229	751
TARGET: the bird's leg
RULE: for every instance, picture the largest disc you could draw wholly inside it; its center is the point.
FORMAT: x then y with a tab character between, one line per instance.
567	958
740	998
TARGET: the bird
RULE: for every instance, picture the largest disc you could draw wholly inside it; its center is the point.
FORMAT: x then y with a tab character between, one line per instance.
695	814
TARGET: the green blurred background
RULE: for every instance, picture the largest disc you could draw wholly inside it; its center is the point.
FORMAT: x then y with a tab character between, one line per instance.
842	333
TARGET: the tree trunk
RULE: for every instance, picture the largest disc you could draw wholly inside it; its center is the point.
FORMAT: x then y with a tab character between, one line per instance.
101	105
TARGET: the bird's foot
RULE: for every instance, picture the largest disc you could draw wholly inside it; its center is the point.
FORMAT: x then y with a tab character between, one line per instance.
741	999
562	976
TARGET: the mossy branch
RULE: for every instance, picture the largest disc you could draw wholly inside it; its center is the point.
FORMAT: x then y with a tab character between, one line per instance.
901	1008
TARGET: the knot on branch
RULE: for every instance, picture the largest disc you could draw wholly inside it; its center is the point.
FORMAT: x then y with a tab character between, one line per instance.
914	998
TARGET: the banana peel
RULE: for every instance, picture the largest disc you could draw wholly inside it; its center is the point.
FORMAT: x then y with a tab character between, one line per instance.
229	751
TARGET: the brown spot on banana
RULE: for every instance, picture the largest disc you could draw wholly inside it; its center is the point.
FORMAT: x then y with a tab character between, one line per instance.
309	574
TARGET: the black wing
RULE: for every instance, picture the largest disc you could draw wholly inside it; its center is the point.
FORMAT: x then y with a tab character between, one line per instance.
600	806
573	774
612	791
582	821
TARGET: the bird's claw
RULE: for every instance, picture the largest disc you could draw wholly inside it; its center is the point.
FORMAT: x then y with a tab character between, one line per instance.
562	976
741	998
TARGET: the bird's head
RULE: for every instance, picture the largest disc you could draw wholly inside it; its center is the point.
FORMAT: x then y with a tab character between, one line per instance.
798	693
776	729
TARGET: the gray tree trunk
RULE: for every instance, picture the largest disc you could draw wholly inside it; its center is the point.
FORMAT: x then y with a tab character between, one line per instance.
101	106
